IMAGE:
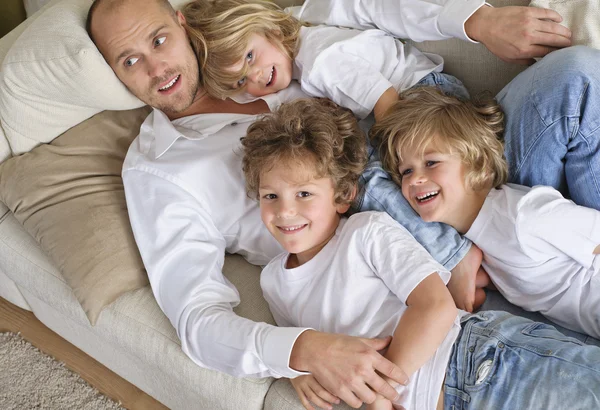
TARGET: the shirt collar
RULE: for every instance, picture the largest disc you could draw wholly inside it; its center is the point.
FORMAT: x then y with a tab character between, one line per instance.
165	132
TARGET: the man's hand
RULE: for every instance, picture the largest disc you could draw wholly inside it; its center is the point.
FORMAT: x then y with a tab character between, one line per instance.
518	34
348	367
467	280
309	390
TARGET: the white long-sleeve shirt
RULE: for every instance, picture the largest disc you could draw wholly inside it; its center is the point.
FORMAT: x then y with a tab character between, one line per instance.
187	204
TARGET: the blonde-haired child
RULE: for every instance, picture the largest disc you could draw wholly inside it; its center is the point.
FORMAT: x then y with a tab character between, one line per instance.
367	276
249	49
539	248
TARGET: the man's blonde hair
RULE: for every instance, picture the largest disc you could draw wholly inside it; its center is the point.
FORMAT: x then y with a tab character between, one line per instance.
219	31
312	132
426	117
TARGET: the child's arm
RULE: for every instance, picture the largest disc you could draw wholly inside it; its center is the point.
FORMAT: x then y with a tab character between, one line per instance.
422	328
389	97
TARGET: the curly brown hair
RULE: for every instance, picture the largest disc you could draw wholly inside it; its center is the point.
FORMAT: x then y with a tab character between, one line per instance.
425	116
311	131
219	31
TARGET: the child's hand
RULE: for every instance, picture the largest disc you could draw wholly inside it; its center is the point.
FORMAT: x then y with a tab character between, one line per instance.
309	390
381	403
467	280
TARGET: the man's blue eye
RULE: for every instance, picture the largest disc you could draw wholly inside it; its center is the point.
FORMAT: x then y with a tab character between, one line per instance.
159	41
131	61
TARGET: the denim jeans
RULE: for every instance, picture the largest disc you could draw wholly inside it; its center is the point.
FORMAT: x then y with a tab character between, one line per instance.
378	192
501	361
552	132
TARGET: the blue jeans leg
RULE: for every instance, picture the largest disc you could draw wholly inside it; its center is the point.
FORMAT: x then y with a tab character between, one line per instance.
378	192
501	361
553	124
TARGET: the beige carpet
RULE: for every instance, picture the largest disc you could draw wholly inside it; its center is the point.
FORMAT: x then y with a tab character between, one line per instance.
29	379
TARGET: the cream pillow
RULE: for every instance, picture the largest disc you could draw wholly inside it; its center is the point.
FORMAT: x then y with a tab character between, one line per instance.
53	77
581	16
69	196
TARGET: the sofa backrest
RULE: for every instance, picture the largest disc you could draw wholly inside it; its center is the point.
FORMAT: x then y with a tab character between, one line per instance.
26	126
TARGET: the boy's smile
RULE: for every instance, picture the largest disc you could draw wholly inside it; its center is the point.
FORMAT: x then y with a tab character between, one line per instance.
434	185
299	210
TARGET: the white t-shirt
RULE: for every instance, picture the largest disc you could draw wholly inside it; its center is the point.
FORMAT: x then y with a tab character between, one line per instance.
353	68
358	285
538	250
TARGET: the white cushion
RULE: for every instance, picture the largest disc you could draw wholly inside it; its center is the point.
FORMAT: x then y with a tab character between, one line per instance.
53	77
581	16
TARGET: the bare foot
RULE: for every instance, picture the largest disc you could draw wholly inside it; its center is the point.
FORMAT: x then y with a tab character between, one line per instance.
467	281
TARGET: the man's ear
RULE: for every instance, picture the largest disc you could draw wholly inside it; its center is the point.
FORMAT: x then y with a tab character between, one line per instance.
181	18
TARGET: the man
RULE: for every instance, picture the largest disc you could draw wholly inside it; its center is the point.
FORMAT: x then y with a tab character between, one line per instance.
187	200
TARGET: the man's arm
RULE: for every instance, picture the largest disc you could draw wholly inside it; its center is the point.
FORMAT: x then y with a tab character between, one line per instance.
512	33
517	34
183	253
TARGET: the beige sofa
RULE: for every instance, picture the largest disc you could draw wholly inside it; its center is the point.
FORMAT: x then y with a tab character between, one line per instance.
131	336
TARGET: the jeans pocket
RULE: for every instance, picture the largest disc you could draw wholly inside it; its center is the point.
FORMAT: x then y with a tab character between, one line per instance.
543	330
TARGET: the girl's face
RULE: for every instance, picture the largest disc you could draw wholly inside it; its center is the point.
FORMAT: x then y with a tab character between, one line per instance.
269	70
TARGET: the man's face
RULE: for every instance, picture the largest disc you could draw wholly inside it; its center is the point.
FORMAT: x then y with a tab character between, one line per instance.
148	49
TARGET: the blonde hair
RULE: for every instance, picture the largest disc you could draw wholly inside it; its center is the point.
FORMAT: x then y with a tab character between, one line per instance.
425	117
219	31
312	132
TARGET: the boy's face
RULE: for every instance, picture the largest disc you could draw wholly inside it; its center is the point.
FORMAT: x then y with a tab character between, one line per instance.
269	70
299	209
434	184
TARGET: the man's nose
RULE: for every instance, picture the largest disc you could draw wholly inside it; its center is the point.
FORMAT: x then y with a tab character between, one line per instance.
156	66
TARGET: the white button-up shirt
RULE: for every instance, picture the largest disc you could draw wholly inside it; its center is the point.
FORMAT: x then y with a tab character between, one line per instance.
188	206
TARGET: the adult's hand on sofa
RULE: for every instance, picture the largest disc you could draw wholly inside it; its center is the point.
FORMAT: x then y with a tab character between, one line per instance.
518	34
350	368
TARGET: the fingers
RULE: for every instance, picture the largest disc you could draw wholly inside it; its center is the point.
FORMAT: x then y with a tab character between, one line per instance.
482	279
377	343
319	396
545	14
479	298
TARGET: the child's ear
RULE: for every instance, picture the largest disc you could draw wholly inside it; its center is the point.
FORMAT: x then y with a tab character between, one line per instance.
343	208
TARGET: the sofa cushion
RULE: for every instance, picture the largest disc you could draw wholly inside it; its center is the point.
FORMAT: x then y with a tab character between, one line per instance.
69	196
581	16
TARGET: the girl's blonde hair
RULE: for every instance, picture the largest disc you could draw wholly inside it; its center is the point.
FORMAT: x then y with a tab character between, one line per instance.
313	132
426	117
219	31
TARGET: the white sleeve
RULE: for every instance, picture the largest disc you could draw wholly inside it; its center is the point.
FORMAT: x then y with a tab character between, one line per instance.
418	20
350	72
396	256
550	224
183	253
